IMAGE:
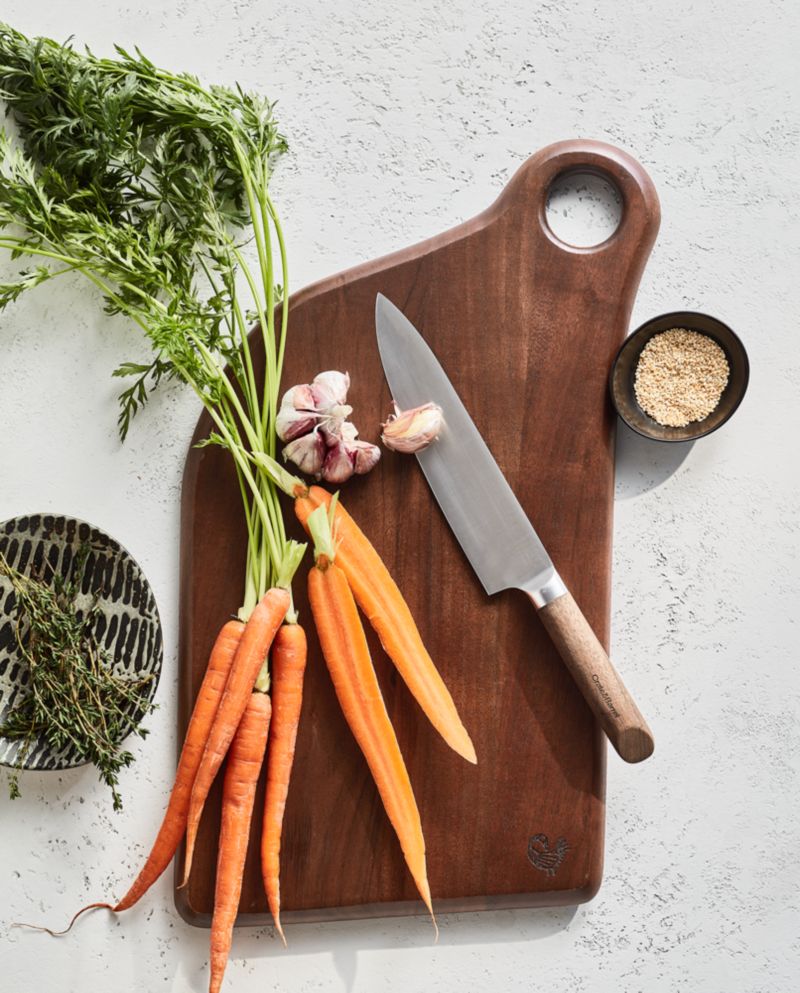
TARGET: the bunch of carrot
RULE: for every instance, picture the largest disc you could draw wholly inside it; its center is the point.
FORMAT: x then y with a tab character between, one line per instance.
249	704
235	715
348	573
79	198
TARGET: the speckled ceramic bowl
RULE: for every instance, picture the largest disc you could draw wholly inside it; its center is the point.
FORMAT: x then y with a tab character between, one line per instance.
623	372
126	624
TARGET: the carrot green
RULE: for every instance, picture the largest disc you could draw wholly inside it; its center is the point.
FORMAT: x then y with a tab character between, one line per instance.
150	185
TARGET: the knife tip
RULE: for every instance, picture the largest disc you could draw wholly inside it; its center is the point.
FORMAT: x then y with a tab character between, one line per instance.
383	308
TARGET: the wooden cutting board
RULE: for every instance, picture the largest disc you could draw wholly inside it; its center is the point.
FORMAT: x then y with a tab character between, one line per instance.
526	328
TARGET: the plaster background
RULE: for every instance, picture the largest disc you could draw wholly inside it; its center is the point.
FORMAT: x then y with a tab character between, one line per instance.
404	119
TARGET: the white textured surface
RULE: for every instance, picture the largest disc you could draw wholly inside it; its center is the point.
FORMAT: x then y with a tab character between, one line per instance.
405	118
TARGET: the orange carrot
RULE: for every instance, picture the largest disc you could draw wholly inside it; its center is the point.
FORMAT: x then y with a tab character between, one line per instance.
238	794
378	596
256	639
346	652
174	822
205	709
288	663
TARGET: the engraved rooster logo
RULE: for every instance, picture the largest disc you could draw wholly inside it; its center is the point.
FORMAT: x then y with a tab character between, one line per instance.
543	857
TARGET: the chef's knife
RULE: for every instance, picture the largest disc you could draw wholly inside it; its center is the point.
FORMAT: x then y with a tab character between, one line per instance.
494	531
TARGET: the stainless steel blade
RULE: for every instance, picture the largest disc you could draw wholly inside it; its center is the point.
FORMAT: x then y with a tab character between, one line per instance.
480	506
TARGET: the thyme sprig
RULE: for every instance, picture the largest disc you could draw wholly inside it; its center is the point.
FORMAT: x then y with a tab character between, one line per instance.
73	698
149	184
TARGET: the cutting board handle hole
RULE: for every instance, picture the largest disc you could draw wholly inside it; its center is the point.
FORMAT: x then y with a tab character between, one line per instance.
583	209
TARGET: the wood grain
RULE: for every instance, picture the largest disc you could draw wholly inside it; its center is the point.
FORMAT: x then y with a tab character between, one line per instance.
526	328
597	679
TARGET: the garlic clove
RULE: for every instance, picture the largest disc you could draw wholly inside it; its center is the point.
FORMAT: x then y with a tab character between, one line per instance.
339	464
329	390
367	456
348	431
337	429
413	430
291	423
297	414
307	453
300	397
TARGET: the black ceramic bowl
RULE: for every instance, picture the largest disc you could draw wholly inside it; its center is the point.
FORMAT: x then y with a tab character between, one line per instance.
623	372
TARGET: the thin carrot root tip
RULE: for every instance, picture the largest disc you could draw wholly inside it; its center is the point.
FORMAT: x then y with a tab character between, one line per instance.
68	928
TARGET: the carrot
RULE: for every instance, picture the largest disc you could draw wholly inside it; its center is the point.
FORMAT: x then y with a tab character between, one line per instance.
238	794
378	596
288	660
253	647
174	822
205	708
344	646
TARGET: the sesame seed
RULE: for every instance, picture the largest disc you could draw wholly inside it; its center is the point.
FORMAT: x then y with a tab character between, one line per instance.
680	377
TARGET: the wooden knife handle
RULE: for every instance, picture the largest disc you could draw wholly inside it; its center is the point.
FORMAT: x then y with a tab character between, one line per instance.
597	678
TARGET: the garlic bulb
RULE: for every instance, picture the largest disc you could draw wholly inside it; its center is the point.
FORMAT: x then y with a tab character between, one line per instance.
413	430
321	441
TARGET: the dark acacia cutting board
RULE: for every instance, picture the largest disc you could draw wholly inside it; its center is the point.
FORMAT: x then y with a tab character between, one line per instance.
526	327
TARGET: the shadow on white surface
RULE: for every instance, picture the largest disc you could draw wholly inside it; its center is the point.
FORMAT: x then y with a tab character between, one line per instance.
345	941
643	465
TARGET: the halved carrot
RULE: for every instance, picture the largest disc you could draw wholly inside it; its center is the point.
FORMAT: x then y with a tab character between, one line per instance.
253	647
245	758
386	610
346	652
287	668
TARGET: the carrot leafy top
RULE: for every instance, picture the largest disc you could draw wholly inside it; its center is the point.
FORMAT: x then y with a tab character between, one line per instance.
155	188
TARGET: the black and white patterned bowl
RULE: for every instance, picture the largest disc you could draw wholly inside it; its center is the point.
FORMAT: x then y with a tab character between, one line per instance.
127	625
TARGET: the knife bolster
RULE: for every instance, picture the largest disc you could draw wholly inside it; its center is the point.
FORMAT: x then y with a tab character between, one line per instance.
551	590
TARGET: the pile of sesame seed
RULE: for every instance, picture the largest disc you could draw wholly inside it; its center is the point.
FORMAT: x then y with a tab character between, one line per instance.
680	377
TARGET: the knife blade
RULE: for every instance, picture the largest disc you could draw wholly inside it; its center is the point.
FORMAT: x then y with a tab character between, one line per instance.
493	529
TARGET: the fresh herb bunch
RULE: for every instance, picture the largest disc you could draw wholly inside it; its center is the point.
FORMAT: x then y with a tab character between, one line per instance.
74	697
148	183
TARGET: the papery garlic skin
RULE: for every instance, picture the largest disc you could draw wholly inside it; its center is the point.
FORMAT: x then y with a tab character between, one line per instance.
347	432
307	453
410	431
297	415
329	390
335	426
339	464
301	397
291	423
366	457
